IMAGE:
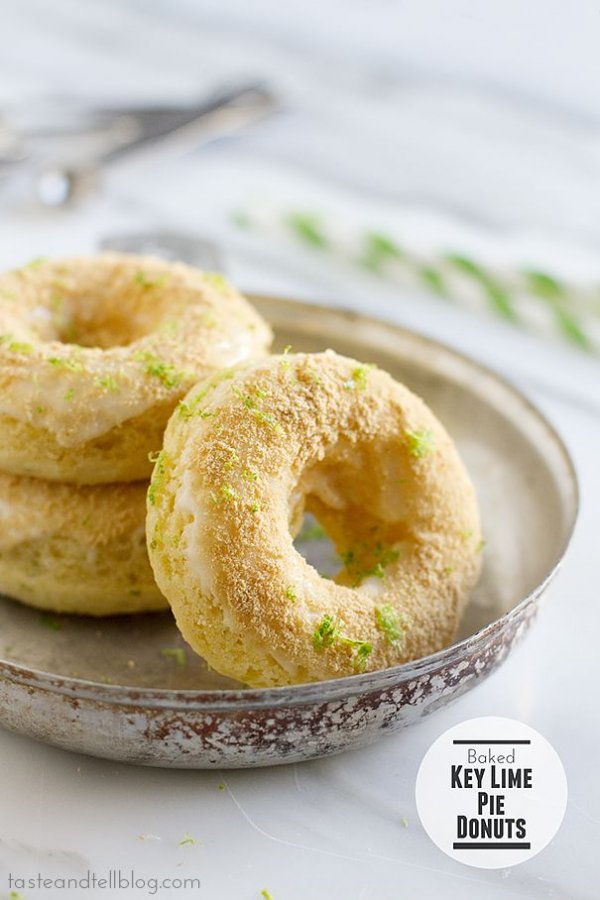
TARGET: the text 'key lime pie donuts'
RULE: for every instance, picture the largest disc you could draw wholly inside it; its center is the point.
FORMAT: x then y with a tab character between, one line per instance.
76	548
96	351
245	455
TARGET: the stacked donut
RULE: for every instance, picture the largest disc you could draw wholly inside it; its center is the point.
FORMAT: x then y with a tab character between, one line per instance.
95	353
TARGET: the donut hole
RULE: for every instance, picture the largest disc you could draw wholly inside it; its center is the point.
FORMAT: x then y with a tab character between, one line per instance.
105	319
94	307
314	544
355	497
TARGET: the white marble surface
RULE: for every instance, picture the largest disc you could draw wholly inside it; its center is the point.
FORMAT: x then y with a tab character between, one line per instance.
335	827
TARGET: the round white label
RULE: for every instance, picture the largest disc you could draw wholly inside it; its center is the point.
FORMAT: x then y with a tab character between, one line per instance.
491	792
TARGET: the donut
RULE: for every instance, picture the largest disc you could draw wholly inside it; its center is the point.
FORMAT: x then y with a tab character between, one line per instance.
95	352
75	549
246	456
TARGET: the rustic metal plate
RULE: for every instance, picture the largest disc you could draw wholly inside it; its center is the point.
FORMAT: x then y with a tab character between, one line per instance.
106	687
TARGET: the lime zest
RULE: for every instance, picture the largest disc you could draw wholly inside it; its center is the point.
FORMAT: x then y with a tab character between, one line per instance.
158	368
325	633
420	442
176	653
358	378
187	839
108	382
146	281
35	263
259	414
391	623
51	622
65	362
20	347
160	462
218	280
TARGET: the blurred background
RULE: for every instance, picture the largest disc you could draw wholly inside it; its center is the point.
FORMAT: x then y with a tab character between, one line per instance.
434	162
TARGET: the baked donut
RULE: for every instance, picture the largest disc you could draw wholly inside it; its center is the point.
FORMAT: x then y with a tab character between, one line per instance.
244	457
95	353
76	549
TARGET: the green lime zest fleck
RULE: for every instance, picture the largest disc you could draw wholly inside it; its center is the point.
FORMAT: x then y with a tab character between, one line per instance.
391	623
312	375
217	279
358	379
108	382
158	368
176	653
188	409
145	281
266	895
233	460
308	227
16	895
386	557
40	409
259	414
290	594
228	492
268	419
221	786
69	395
481	545
50	622
466	535
420	442
325	633
284	362
225	494
404	822
254	507
36	262
328	632
379	557
20	347
249	475
160	462
362	651
187	839
65	362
